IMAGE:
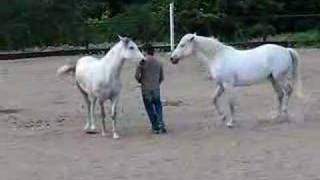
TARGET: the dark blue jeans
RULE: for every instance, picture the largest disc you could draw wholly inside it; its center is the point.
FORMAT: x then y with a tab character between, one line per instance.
152	103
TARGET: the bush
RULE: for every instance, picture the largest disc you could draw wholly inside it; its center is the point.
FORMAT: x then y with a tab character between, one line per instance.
306	38
261	30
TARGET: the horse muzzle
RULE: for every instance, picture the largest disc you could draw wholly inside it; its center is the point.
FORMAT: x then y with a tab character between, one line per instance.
142	61
174	60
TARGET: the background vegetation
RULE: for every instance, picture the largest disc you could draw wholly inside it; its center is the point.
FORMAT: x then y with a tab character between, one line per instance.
29	23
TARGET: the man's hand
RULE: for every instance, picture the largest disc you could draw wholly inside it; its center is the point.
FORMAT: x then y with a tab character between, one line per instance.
141	63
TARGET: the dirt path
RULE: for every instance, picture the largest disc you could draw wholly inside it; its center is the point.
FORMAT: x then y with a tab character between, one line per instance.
41	120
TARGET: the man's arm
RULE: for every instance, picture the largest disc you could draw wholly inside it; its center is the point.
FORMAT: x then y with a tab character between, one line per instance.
138	74
161	74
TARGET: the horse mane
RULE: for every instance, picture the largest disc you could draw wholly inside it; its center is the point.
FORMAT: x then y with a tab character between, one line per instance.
209	43
212	43
216	40
112	50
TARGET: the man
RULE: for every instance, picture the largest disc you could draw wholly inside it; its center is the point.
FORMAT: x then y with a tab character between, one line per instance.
149	74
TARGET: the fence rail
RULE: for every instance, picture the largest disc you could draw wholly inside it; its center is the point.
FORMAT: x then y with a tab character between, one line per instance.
161	48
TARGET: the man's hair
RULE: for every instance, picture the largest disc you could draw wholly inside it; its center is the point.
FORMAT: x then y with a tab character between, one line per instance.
149	49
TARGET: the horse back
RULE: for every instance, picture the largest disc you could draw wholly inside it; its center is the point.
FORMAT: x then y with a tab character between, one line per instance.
278	58
253	65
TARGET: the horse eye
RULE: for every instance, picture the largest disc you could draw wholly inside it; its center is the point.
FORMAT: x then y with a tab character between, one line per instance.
131	47
182	45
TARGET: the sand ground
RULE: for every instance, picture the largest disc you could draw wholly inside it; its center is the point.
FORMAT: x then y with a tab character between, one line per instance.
42	116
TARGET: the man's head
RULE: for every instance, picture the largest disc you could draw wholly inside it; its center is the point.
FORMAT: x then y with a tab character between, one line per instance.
149	50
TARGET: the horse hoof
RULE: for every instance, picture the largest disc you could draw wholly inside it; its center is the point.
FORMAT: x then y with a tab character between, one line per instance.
115	136
230	125
103	134
275	115
93	128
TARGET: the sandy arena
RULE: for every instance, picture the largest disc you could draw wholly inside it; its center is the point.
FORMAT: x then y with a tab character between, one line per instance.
42	116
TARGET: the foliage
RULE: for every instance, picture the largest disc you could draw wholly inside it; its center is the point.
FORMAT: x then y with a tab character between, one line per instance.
27	23
307	38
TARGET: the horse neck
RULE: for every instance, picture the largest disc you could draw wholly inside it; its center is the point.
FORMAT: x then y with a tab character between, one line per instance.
209	48
113	62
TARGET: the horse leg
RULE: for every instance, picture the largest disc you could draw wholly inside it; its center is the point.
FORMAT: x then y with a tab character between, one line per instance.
103	116
218	93
114	117
92	114
280	94
287	88
230	123
283	90
87	101
287	84
284	106
231	103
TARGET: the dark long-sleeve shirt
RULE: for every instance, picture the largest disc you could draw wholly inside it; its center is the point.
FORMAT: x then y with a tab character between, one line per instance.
150	73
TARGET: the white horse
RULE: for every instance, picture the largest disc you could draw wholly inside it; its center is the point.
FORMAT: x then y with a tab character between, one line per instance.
233	68
99	79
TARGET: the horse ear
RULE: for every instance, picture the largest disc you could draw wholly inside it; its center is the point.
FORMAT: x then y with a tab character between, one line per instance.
124	39
195	34
120	37
192	38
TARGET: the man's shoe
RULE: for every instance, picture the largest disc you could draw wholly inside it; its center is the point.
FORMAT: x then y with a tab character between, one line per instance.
156	131
163	131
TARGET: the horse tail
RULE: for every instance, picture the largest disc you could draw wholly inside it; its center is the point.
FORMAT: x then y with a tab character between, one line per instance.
70	67
298	88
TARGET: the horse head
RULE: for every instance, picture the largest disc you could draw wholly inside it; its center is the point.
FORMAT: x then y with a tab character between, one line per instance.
130	50
184	49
